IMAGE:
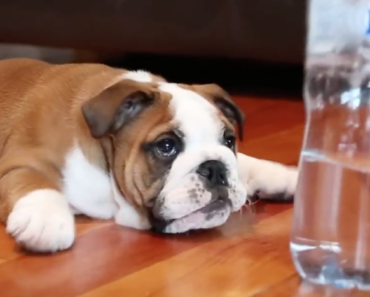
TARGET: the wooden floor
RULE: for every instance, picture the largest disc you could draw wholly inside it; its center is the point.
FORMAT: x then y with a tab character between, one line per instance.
248	256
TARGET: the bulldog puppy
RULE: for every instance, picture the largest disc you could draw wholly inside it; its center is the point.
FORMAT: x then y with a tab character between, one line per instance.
123	145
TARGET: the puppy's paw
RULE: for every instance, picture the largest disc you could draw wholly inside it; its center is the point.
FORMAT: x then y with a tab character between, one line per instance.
278	181
41	221
267	179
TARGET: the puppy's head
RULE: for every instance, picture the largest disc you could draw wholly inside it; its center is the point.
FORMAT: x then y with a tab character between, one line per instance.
171	150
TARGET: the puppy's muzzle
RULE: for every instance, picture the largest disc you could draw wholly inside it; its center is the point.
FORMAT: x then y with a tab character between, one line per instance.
214	176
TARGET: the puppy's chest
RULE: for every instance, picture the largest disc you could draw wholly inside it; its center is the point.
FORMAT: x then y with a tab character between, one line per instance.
87	187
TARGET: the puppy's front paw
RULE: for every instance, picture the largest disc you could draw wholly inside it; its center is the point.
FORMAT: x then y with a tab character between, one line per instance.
278	182
42	222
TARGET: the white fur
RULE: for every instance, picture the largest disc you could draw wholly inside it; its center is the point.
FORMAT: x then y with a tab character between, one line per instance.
178	202
139	75
93	192
42	221
87	187
183	178
266	177
197	118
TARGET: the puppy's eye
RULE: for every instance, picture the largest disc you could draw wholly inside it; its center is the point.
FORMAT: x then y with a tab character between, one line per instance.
229	141
167	147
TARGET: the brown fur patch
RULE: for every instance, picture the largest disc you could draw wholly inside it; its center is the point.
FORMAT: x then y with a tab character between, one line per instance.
41	118
139	175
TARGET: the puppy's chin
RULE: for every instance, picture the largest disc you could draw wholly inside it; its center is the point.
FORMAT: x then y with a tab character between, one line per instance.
212	215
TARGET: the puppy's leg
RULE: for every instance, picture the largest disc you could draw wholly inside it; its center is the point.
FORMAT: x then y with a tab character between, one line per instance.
267	179
36	213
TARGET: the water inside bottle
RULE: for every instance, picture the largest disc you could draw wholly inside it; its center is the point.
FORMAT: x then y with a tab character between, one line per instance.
330	241
331	236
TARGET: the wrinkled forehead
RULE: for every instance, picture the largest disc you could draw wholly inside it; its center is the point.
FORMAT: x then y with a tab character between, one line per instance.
194	115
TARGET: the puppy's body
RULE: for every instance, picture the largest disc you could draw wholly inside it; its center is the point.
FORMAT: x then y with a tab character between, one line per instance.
84	139
40	123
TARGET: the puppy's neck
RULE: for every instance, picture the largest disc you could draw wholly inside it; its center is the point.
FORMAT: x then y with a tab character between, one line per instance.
86	175
103	197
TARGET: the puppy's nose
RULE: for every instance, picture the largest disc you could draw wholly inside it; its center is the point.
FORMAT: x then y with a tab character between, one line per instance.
214	171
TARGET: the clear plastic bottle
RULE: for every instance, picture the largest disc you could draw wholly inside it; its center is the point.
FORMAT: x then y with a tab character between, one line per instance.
330	240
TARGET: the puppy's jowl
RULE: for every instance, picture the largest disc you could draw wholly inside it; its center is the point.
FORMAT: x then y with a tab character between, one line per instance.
108	143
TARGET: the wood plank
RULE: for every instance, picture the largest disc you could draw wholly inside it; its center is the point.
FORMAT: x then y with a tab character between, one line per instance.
7	246
288	114
227	267
116	251
279	147
8	249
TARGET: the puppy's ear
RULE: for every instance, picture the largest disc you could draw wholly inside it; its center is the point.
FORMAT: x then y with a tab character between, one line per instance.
116	106
225	104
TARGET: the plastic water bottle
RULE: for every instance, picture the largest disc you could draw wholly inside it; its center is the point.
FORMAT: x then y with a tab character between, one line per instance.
330	240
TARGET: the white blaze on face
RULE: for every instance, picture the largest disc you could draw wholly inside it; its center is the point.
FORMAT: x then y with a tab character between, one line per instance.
197	118
199	122
138	75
